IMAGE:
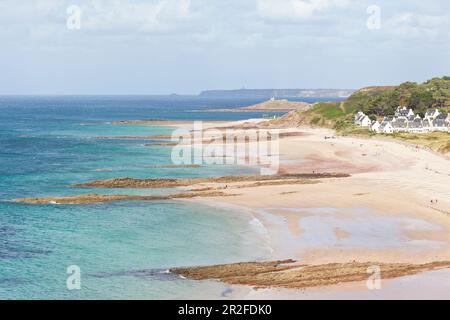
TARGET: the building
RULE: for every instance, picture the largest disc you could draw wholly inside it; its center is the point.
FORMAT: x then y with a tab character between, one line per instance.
427	125
441	116
440	125
375	126
365	121
403	112
389	118
406	121
400	124
432	114
416	126
358	115
361	119
386	127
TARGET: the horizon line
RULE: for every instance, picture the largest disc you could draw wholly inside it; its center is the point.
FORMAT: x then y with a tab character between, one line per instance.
161	94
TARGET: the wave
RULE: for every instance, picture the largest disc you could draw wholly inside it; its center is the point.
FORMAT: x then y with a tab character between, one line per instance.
157	274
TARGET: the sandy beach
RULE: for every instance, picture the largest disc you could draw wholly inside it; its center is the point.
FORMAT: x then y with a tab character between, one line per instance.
390	182
394	208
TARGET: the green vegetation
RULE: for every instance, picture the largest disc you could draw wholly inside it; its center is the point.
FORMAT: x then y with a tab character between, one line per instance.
330	114
437	141
377	102
353	130
315	120
382	101
329	110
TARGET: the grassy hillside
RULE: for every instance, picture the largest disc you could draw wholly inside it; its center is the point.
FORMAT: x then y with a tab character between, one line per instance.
378	102
381	101
437	141
323	114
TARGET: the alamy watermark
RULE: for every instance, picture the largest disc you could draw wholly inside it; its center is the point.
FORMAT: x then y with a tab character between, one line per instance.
74	12
230	146
73	281
74	17
374	280
374	20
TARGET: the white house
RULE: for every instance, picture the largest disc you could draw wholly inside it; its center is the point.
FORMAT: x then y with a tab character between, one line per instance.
440	125
362	120
416	126
386	127
375	126
432	114
365	121
358	117
441	116
403	112
358	114
400	124
389	119
406	121
427	125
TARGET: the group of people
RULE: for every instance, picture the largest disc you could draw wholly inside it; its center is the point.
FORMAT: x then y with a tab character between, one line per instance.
433	201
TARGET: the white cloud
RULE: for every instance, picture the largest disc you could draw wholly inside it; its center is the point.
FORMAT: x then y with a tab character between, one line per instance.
135	16
113	17
296	10
235	21
417	25
183	40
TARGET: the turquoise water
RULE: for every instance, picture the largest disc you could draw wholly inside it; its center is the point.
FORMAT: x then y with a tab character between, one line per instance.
122	248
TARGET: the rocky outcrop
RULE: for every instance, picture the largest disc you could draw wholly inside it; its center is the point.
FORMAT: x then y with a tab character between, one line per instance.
270	105
290	274
167	183
97	198
148	137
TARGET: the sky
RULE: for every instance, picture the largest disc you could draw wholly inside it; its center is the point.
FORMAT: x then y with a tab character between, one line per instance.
186	46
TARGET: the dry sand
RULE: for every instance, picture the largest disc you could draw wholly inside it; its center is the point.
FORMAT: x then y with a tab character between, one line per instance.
383	212
390	182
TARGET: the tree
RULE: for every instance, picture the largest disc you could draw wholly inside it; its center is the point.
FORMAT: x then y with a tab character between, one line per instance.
441	96
420	100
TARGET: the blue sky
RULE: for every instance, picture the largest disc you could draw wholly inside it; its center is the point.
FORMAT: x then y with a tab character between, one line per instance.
185	46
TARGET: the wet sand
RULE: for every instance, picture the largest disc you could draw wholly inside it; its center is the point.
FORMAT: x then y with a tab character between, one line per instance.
395	207
391	185
429	285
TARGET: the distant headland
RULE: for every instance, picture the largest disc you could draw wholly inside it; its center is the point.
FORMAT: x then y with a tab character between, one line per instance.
280	93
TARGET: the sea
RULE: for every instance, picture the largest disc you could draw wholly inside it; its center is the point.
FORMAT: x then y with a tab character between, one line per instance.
114	250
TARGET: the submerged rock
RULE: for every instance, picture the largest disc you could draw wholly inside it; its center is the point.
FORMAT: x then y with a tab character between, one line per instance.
166	183
96	198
